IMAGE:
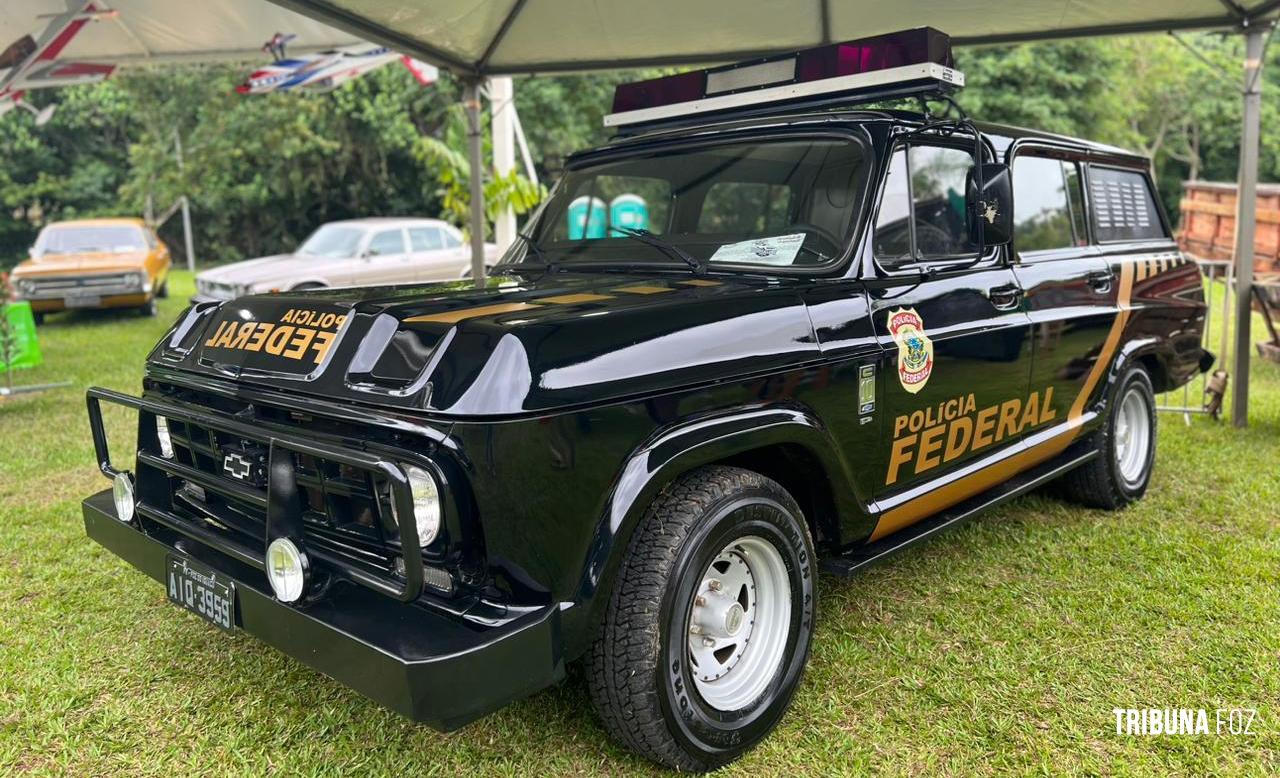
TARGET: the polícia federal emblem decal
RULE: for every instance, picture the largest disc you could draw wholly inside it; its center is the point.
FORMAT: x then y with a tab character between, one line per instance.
915	350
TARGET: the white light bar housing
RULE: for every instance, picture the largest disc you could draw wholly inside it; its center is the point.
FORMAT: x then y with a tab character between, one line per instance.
926	74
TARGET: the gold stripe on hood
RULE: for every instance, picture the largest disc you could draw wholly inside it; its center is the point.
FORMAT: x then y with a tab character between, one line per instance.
453	317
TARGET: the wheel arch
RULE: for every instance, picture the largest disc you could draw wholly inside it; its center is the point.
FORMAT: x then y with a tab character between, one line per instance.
788	444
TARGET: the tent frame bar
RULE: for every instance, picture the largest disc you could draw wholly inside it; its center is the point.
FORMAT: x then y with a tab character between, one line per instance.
1236	17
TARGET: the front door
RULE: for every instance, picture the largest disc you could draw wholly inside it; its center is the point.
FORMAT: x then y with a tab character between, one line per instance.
386	260
954	337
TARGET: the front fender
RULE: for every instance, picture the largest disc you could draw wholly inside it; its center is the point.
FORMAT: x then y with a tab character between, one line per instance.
677	449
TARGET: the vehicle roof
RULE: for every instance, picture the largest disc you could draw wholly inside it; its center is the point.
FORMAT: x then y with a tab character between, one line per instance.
112	221
392	221
860	116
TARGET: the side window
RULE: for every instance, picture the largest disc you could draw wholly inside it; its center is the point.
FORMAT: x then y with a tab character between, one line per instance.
425	239
922	214
451	241
387	242
745	208
1041	205
1123	206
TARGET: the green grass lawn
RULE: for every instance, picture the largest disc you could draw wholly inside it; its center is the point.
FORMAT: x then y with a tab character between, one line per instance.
1000	647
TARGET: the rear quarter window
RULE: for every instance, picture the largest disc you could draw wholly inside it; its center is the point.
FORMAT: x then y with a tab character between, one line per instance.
1124	207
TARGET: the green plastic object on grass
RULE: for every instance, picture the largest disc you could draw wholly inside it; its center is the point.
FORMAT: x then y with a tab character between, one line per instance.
26	352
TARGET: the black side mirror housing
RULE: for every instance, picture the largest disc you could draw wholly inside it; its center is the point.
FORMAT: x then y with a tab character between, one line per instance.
991	209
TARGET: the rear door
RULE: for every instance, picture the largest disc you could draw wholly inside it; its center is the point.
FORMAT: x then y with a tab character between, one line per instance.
956	356
1070	289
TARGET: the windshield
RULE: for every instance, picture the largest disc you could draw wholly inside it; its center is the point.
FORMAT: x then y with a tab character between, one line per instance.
332	240
770	202
85	240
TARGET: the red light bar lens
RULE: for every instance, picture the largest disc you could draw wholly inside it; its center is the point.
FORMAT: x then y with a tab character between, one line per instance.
880	52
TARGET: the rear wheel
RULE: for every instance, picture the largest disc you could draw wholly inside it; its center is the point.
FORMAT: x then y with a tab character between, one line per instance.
39	318
1126	443
163	291
707	630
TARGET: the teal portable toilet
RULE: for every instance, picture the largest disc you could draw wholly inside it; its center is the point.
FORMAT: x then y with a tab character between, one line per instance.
583	224
628	210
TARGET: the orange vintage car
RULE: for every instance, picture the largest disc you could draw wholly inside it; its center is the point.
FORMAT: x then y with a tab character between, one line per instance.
94	263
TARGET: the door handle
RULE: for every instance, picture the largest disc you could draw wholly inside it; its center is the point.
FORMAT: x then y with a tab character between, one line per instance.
1005	297
1100	281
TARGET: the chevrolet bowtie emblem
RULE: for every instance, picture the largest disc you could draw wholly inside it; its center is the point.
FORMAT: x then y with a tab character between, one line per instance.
237	466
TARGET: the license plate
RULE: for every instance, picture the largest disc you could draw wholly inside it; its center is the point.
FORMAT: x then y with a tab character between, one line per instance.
202	591
83	301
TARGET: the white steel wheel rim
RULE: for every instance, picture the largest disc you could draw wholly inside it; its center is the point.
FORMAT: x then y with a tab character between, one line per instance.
1133	436
739	622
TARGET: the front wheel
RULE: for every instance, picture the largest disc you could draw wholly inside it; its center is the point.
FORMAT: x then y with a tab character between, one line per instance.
1126	444
707	630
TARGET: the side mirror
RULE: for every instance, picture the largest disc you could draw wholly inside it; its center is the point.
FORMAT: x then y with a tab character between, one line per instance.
990	210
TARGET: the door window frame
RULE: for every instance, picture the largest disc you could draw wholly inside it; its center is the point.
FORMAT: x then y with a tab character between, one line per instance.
1062	153
913	267
404	242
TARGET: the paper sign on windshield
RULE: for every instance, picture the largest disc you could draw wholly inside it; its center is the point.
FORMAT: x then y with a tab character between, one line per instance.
778	250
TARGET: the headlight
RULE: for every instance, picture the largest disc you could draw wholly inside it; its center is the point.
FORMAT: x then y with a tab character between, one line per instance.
286	569
426	503
133	279
122	493
162	434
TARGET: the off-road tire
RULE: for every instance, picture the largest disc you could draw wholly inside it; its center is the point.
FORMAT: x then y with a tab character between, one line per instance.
638	669
38	317
149	308
1099	483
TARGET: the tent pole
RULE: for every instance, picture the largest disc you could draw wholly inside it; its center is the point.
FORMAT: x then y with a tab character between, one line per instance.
475	152
502	110
186	205
1246	217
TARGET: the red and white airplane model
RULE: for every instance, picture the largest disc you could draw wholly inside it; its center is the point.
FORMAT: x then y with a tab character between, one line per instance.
326	70
29	64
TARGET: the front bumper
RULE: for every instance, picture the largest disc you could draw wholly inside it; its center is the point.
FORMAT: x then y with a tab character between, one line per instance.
59	304
435	667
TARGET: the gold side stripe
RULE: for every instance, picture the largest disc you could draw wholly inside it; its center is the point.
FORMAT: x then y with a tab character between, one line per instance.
572	299
700	282
962	489
453	317
641	289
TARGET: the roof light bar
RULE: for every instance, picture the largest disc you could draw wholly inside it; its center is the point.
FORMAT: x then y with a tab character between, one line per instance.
919	57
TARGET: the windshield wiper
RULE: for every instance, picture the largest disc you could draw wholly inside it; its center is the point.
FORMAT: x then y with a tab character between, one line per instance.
542	263
670	249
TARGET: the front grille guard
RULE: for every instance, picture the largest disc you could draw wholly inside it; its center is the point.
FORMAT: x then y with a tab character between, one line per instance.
282	501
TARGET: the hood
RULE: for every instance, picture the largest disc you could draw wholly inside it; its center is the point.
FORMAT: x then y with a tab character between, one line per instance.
522	345
95	262
280	267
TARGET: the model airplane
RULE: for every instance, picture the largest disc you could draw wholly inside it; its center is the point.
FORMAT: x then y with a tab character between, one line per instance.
326	70
29	64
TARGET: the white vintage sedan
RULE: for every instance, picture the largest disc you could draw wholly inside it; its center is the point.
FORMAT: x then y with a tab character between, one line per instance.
356	252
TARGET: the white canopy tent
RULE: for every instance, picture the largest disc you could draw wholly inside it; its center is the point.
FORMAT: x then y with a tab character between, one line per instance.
476	39
479	39
132	32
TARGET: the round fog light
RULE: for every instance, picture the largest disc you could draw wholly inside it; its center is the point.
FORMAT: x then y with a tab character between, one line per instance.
286	569
122	493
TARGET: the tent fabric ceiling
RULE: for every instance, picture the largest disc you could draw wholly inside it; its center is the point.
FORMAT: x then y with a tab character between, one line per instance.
173	30
526	36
